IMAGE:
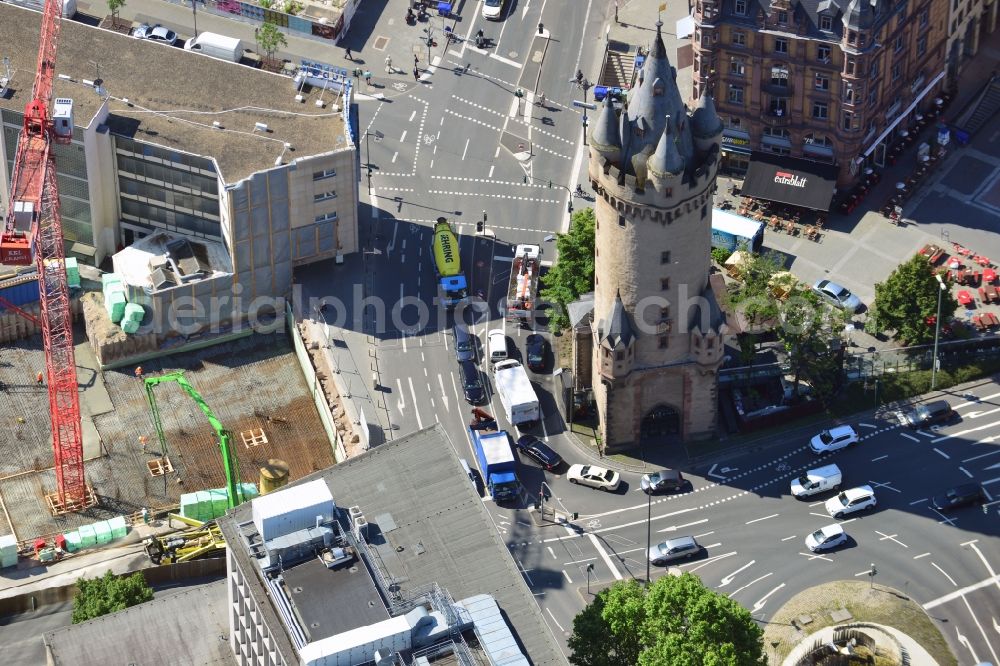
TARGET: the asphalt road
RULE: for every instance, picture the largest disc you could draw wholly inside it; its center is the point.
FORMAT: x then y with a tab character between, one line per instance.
753	529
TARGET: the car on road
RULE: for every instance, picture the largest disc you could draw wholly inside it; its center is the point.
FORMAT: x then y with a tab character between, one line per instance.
665	480
674	549
834	439
472	383
155	33
594	476
959	496
927	414
851	501
826	538
492	9
837	295
465	343
537	348
538	451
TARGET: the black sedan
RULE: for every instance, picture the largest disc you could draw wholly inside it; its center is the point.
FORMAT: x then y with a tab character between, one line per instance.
959	496
537	349
538	451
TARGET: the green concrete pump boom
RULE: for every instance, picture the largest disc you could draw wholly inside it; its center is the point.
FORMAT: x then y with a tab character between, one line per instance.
233	492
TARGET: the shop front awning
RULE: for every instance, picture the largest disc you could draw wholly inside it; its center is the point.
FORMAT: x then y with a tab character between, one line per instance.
790	180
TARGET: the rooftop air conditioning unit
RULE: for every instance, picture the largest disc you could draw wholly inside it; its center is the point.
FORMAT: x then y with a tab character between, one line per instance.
260	127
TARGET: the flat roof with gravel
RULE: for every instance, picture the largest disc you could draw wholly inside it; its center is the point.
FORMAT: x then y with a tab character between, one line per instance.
174	96
253	383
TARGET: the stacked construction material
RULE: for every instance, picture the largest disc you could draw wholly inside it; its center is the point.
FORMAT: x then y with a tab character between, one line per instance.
96	534
72	272
205	505
132	317
114	296
8	551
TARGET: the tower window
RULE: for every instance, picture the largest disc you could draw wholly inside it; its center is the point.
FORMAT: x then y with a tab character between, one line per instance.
663	341
665	257
620	356
664	284
704	211
621	220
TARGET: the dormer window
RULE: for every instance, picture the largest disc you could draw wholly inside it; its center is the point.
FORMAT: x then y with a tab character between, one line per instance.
657	88
741	7
852	36
782	18
826	23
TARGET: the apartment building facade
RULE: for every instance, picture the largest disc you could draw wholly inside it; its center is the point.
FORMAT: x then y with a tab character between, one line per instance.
825	80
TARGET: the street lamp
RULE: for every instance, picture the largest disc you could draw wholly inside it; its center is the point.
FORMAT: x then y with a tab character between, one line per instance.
519	94
194	10
368	155
871	575
937	331
590	567
649	520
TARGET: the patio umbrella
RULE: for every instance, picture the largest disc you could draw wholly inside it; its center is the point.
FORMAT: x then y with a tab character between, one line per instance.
900	186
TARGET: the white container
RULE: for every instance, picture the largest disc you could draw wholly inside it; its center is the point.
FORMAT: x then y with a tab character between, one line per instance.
293	508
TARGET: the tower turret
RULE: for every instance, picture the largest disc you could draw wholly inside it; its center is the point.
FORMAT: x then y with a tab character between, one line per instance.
706	126
606	138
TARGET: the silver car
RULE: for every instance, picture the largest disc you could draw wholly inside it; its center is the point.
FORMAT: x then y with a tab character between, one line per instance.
837	295
674	549
156	33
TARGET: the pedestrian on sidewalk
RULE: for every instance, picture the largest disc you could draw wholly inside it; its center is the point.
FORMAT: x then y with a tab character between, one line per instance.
388	64
541	100
38	378
416	74
347	54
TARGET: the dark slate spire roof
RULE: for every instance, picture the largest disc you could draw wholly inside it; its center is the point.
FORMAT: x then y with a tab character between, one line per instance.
606	136
649	104
705	122
860	15
619	328
666	160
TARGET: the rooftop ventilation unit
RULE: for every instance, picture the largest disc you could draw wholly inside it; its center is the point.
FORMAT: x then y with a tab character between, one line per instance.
300	98
216	124
260	127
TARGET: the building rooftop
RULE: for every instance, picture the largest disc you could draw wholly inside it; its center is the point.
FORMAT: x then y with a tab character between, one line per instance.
331	601
427	525
169	106
163	260
156	632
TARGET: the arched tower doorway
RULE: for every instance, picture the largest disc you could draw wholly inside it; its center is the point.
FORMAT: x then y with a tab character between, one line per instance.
660	422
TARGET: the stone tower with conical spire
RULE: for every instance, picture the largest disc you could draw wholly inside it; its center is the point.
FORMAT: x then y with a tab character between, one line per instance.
656	339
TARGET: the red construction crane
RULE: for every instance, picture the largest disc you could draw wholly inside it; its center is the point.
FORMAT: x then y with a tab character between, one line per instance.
33	231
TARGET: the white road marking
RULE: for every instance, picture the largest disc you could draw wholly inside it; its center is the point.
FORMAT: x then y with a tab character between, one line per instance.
787	538
466	150
726	580
985	638
604	554
815	556
568	579
674	528
492	166
986	483
909	436
965	641
867	425
403	138
763	600
714	545
401	404
879	458
929	435
444	396
698	536
737	591
985	563
943	573
942	453
505	61
967	472
934	603
413	394
589	559
554	621
711	472
863	573
919	501
890	537
886	484
757	520
710	560
965	432
552	553
920	556
944	519
573	535
977	401
976	415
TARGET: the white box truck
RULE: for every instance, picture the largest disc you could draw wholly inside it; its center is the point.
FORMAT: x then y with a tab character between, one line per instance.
216	45
516	394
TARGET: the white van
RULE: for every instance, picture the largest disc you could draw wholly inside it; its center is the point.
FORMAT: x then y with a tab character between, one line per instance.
216	45
817	480
496	343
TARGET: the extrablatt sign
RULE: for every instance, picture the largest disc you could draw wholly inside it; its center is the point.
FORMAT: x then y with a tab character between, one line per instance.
789	178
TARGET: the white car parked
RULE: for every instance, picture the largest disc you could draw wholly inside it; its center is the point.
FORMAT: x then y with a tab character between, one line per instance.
834	439
826	538
851	501
594	476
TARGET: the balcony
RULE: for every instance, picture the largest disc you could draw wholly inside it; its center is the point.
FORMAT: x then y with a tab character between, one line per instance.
772	120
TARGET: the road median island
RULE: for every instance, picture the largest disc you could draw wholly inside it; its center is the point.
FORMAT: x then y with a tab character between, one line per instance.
802	619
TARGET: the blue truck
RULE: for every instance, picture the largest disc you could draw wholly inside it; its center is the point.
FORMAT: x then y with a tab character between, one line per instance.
496	462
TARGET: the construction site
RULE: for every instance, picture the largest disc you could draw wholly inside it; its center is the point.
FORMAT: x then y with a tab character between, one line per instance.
254	386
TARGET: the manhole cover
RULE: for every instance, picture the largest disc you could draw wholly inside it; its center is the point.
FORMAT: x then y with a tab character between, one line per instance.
380	43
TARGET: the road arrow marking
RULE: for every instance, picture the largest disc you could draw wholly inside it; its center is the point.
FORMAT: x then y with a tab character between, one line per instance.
763	600
674	528
735	592
711	472
727	470
726	580
444	396
965	641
